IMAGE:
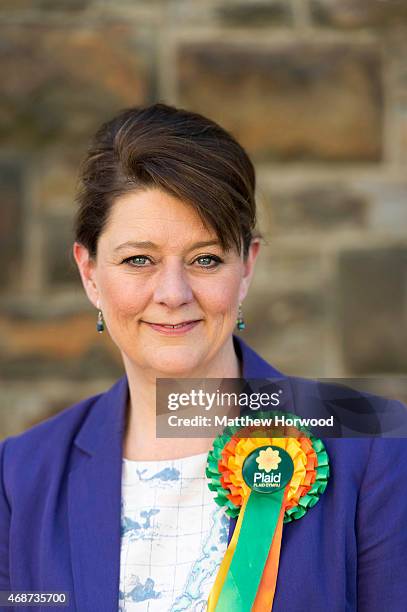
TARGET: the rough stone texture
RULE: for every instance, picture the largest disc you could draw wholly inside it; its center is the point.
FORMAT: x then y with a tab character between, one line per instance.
292	101
395	58
11	220
60	265
387	209
320	100
359	13
278	265
53	181
319	208
365	203
288	310
258	13
11	6
288	329
59	83
372	307
63	346
403	133
24	404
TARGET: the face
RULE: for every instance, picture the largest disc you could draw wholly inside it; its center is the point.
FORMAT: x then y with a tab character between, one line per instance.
158	266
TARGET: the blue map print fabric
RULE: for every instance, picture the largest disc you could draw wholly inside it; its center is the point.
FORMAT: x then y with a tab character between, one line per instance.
173	536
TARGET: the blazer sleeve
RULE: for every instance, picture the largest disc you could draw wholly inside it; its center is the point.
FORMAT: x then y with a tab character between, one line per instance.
5	514
381	528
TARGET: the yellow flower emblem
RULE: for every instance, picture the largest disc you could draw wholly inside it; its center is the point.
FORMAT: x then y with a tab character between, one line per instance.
268	459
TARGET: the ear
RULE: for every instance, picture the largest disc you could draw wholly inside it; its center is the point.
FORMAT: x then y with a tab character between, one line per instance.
86	266
248	268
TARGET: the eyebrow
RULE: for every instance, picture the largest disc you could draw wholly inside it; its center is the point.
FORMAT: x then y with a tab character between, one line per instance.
147	244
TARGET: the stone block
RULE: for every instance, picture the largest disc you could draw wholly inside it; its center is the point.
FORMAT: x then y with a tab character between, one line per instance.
281	268
60	82
54	180
17	408
289	101
11	223
317	208
24	404
66	345
387	210
59	263
403	136
17	6
259	13
287	327
359	13
371	310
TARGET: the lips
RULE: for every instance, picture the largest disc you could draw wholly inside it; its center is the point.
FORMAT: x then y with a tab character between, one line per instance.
173	325
172	329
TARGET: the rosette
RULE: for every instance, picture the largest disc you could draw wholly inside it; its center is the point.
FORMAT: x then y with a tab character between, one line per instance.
265	478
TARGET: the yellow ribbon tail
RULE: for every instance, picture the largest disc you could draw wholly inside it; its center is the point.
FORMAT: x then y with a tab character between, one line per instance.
227	560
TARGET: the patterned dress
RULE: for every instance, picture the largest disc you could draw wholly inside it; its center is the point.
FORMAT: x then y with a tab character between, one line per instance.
174	536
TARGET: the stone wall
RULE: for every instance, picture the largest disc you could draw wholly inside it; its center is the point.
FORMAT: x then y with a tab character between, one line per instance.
317	92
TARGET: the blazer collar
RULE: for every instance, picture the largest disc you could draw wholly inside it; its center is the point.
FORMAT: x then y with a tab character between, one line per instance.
94	497
106	416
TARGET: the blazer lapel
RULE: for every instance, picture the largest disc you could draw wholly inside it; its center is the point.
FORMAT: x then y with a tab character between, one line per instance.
94	498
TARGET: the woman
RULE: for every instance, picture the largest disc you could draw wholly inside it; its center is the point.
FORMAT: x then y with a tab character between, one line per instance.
91	503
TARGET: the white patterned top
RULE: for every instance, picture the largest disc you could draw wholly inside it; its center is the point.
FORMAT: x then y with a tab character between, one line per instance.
174	536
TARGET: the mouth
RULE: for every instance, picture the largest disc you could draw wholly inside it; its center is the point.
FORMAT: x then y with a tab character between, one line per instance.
173	328
173	325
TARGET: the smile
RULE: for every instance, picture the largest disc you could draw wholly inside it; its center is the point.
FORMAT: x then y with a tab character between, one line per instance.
173	328
173	325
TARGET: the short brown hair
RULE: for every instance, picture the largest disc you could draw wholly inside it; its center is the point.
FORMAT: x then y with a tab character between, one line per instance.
183	153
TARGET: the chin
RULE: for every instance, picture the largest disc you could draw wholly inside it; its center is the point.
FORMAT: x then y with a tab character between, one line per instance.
175	369
179	363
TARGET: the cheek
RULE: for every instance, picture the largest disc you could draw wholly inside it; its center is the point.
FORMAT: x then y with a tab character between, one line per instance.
122	297
220	297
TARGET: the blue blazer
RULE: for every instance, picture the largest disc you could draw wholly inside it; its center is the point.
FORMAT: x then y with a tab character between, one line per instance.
60	493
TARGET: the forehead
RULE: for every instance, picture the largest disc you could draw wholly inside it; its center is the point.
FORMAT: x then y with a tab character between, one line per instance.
156	216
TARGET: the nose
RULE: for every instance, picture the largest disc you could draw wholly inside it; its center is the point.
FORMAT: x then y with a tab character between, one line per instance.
172	285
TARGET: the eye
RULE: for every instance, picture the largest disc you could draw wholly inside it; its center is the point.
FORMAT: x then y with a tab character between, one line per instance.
137	261
208	261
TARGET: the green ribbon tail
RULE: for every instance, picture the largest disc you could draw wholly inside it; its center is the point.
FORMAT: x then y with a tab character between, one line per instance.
252	549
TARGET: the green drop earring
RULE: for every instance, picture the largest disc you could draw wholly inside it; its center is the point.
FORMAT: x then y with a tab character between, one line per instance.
100	324
240	324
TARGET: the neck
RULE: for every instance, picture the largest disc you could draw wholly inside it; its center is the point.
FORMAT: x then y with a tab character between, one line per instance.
140	442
